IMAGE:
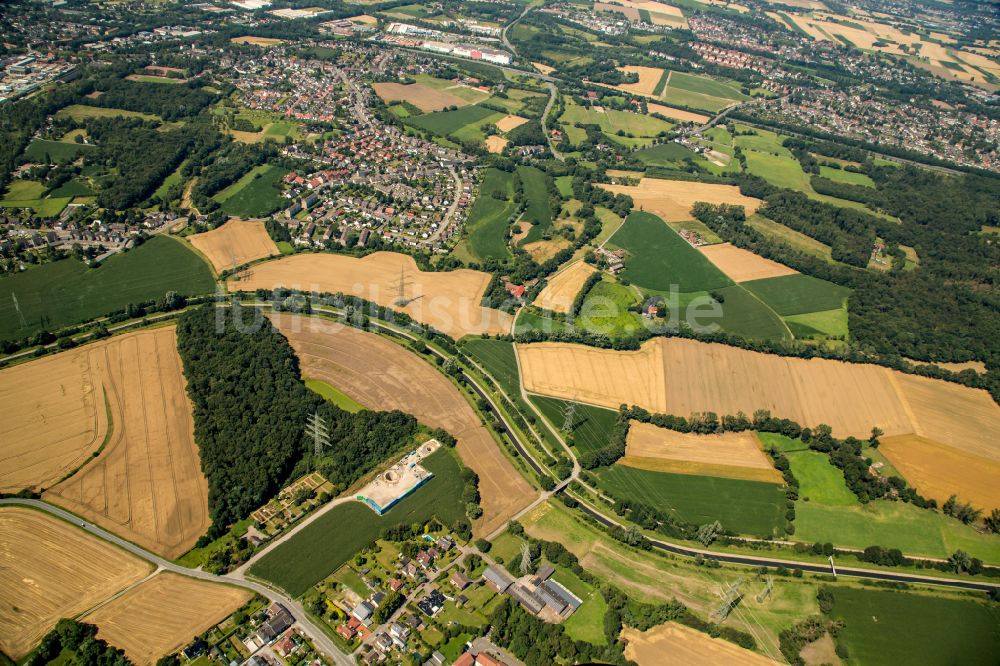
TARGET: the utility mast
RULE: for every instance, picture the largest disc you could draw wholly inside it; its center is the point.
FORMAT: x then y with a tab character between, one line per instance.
316	426
730	598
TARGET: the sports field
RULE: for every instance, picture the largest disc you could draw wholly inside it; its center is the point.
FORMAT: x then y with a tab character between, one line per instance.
425	98
325	544
256	194
673	199
658	258
746	507
382	375
66	292
49	570
731	455
686	646
487	222
146	485
161	615
887	627
562	288
448	301
677	376
235	243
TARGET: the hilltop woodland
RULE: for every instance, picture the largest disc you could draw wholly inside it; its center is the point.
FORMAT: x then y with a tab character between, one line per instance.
250	407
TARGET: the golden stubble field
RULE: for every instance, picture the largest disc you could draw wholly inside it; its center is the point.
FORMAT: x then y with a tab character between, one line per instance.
562	288
678	376
52	418
163	614
423	97
235	243
146	485
257	41
448	301
648	78
734	455
939	471
49	570
674	643
741	265
672	200
676	114
509	122
381	375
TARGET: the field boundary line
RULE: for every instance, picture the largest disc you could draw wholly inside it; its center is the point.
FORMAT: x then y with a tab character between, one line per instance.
901	395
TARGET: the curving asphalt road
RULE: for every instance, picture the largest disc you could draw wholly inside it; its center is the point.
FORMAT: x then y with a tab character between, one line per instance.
319	639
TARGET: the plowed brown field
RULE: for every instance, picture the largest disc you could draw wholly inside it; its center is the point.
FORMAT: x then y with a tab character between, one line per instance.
448	301
742	265
49	570
678	376
235	243
52	418
673	644
561	289
382	375
163	614
672	199
146	485
735	455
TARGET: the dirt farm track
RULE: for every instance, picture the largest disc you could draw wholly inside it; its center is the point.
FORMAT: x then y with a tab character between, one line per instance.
681	377
380	374
146	485
49	570
163	613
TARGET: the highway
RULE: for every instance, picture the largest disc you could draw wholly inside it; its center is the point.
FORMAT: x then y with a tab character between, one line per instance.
319	639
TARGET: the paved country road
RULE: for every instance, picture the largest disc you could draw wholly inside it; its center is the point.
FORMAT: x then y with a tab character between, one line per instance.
319	639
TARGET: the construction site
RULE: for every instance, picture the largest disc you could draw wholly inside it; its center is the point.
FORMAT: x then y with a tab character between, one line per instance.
398	481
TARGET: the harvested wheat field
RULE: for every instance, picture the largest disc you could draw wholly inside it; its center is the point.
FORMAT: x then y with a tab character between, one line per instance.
257	41
676	114
235	243
49	570
507	123
423	97
544	69
162	614
939	471
649	77
380	374
448	301
741	265
672	199
52	419
562	288
674	643
146	485
496	143
734	455
678	376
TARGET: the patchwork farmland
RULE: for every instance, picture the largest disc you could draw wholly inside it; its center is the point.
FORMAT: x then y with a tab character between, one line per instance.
677	376
672	200
448	301
382	375
146	485
49	570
